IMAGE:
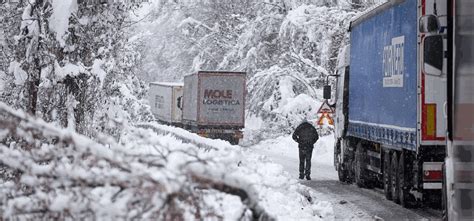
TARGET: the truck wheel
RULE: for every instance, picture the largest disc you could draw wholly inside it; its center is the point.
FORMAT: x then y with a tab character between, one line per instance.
359	168
341	171
338	164
395	178
342	174
234	141
406	199
386	175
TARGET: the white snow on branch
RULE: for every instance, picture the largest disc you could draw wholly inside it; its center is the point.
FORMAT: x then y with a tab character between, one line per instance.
98	71
192	21
68	69
148	176
19	74
59	20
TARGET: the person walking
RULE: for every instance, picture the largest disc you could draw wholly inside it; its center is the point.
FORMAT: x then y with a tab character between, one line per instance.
306	136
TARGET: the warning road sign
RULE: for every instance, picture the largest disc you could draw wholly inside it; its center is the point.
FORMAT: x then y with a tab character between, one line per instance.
327	117
325	108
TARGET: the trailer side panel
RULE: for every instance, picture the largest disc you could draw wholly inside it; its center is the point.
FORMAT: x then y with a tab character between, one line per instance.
383	77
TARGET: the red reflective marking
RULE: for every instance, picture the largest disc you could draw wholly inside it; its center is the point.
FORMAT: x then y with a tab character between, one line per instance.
433	175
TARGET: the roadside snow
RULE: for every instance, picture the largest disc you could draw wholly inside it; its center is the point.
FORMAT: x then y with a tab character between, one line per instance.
267	183
323	151
284	151
149	174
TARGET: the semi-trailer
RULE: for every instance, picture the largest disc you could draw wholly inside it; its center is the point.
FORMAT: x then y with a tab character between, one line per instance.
390	129
214	104
166	102
209	103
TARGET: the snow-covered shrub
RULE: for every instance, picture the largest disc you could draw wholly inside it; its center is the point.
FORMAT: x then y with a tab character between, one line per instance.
51	173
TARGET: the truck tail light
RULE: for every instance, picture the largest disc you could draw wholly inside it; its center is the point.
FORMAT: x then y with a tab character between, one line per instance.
433	175
432	171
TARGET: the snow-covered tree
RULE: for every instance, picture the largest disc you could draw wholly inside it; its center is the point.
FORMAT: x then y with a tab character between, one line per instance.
71	63
285	46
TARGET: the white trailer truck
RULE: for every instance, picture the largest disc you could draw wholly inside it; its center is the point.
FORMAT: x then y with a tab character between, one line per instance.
214	104
166	102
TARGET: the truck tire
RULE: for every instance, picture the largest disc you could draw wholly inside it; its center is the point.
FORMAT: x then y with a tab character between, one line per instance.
386	175
359	169
342	175
395	178
342	172
339	164
406	199
234	141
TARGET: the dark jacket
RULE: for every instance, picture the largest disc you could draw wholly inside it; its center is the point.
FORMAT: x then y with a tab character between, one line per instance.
305	133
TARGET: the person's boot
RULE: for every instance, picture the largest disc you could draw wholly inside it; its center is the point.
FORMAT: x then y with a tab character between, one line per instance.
308	177
301	177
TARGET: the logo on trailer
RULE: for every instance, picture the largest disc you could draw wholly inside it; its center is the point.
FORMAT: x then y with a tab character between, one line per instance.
219	97
393	63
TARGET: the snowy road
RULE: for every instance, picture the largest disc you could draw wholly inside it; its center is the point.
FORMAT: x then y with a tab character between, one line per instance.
348	201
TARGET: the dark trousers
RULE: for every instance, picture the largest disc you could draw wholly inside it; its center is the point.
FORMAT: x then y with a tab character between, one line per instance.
306	151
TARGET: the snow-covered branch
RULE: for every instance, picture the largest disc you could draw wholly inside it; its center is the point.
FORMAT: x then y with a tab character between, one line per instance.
51	173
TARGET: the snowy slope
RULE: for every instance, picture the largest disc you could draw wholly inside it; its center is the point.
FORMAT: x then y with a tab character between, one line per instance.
106	180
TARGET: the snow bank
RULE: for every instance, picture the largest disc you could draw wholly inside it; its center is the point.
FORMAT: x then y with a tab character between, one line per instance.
284	151
266	182
146	176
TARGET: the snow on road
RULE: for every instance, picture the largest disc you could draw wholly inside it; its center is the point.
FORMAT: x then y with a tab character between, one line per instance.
348	201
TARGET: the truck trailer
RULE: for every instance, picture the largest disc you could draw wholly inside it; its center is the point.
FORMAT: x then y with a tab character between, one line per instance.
214	104
390	128
166	102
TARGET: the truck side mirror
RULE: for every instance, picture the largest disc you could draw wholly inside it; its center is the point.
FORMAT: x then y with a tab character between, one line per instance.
429	24
433	55
327	92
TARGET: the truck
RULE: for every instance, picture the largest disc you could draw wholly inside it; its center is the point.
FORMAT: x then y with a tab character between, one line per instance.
214	104
166	102
390	127
458	170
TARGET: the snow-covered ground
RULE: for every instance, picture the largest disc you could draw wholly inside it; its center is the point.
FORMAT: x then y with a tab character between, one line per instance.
107	180
348	201
286	151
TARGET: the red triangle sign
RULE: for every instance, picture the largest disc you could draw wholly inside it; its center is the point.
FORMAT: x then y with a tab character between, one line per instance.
325	108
